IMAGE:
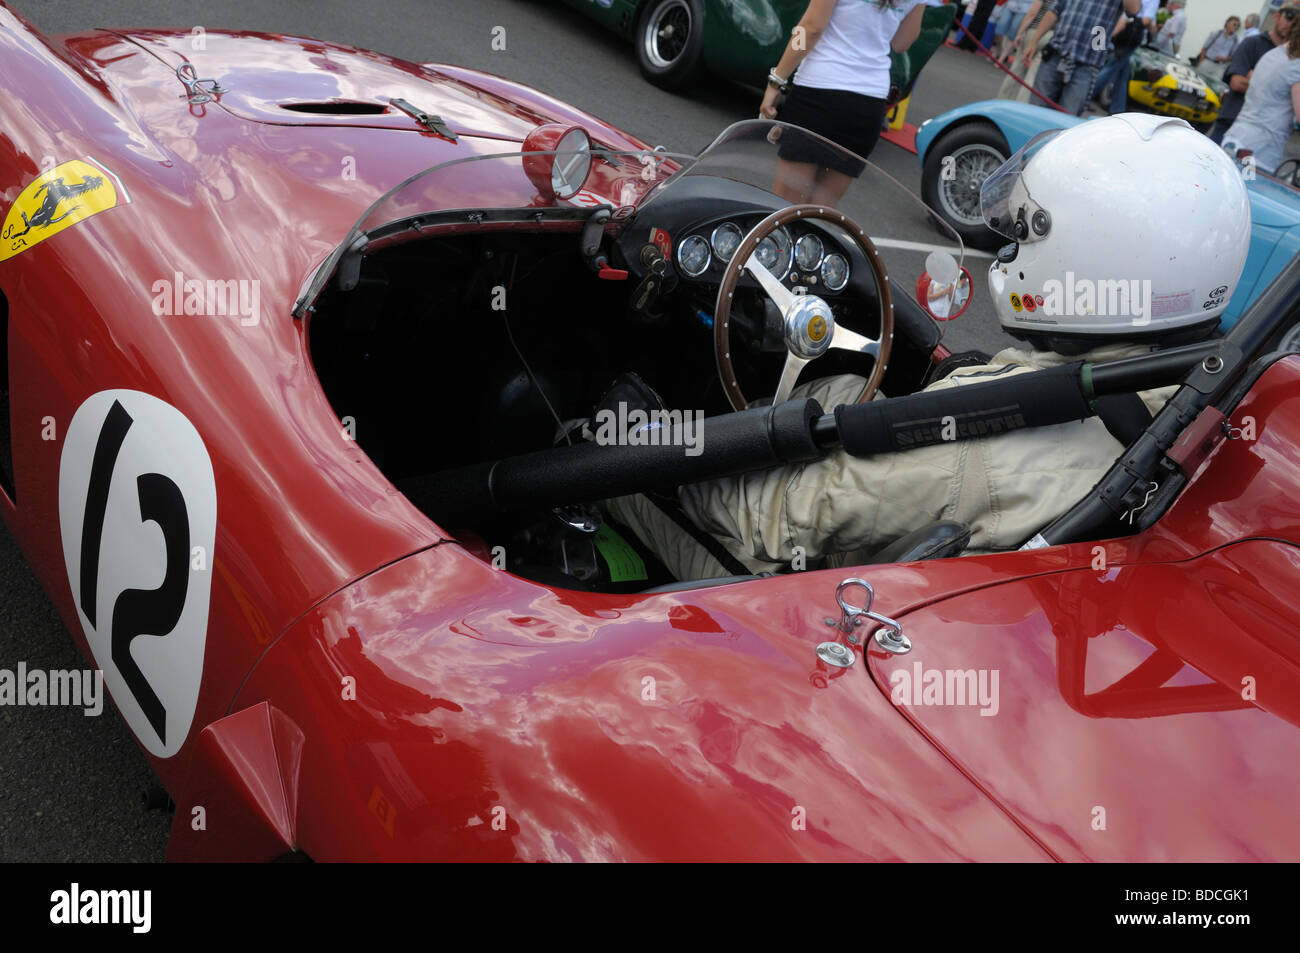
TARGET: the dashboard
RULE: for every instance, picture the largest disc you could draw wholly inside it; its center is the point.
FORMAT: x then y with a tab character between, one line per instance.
697	224
702	220
806	254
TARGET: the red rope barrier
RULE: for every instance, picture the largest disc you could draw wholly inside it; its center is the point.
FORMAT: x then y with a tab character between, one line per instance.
985	50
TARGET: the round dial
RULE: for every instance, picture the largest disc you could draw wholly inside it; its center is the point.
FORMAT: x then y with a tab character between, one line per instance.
693	256
726	239
835	272
775	252
808	252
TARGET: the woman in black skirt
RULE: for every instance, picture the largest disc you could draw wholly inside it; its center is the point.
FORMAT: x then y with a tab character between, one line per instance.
841	49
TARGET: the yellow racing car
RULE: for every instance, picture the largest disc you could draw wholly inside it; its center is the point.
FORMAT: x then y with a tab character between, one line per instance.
1167	86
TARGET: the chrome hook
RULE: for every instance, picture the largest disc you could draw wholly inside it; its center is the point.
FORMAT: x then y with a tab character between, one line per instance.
889	636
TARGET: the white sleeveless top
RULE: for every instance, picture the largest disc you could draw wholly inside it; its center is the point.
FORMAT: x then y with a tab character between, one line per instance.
853	52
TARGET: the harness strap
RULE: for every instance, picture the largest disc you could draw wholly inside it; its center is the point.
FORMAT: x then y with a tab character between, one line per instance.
673	511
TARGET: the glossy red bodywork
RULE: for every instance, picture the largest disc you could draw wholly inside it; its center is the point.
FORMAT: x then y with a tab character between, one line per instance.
371	689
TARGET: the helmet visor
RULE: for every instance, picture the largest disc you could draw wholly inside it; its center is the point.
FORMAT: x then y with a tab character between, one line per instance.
1005	202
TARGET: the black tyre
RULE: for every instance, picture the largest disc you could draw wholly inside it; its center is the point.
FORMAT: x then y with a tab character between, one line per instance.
1288	171
955	167
669	42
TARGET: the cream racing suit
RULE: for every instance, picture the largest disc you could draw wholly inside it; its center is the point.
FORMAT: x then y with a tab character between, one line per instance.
1005	487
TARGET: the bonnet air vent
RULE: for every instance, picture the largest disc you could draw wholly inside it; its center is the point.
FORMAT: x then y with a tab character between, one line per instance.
337	108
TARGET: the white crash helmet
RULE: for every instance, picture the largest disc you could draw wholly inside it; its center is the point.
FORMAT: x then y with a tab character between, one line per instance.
1131	227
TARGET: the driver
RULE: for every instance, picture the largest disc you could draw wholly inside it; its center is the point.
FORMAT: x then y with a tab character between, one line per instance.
1129	233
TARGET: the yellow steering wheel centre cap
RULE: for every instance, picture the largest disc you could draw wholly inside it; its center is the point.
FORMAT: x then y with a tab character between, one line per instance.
817	329
809	327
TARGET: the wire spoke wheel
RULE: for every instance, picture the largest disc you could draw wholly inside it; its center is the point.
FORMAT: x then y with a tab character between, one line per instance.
959	194
667	33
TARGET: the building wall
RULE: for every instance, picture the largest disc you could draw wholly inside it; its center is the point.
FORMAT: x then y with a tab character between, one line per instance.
1206	16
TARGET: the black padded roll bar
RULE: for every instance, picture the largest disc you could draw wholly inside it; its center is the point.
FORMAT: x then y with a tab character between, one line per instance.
793	432
752	439
960	413
1034	399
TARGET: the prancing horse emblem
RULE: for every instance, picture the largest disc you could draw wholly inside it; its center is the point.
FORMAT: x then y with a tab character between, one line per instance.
817	329
56	192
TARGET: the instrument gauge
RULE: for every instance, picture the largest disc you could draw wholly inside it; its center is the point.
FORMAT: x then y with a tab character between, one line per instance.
808	252
835	272
726	239
775	252
693	256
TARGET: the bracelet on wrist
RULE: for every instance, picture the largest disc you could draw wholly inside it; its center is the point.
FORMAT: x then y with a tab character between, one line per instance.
775	80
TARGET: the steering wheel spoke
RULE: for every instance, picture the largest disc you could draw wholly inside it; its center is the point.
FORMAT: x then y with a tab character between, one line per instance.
789	374
781	296
847	340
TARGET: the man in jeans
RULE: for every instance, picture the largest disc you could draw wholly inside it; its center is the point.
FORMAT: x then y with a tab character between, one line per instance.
1117	70
1075	53
1242	64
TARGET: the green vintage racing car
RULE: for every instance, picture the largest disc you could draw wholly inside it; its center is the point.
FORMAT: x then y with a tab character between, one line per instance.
678	41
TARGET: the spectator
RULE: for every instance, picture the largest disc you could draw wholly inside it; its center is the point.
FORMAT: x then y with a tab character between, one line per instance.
1249	51
1252	26
1170	37
1024	68
979	21
1148	16
1221	44
841	89
1272	104
1008	25
1128	36
1073	57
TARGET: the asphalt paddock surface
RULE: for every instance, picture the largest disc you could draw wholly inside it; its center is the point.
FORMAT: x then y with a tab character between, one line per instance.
71	785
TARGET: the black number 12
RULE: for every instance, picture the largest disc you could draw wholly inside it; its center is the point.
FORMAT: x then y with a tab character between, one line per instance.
136	612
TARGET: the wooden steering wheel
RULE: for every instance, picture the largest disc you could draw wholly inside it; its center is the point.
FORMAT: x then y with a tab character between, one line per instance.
808	324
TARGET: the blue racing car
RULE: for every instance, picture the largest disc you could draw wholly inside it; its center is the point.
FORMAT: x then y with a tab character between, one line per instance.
959	149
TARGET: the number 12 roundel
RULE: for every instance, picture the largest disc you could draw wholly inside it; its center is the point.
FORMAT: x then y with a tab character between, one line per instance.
138	517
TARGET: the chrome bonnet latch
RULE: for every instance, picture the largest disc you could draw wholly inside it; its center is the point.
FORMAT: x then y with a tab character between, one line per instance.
889	636
194	90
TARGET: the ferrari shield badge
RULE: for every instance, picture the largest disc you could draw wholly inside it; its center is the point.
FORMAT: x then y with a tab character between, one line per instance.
57	199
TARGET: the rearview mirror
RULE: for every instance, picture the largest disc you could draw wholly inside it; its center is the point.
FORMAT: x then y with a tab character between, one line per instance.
557	159
944	288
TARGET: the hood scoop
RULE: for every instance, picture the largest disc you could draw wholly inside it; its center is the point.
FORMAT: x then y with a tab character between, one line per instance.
335	108
286	80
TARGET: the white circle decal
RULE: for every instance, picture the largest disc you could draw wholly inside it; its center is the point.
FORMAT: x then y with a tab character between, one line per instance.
138	517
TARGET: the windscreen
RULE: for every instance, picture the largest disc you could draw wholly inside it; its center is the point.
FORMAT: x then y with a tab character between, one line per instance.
802	168
796	166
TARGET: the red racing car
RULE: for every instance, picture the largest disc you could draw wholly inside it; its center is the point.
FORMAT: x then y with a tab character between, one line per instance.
299	344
